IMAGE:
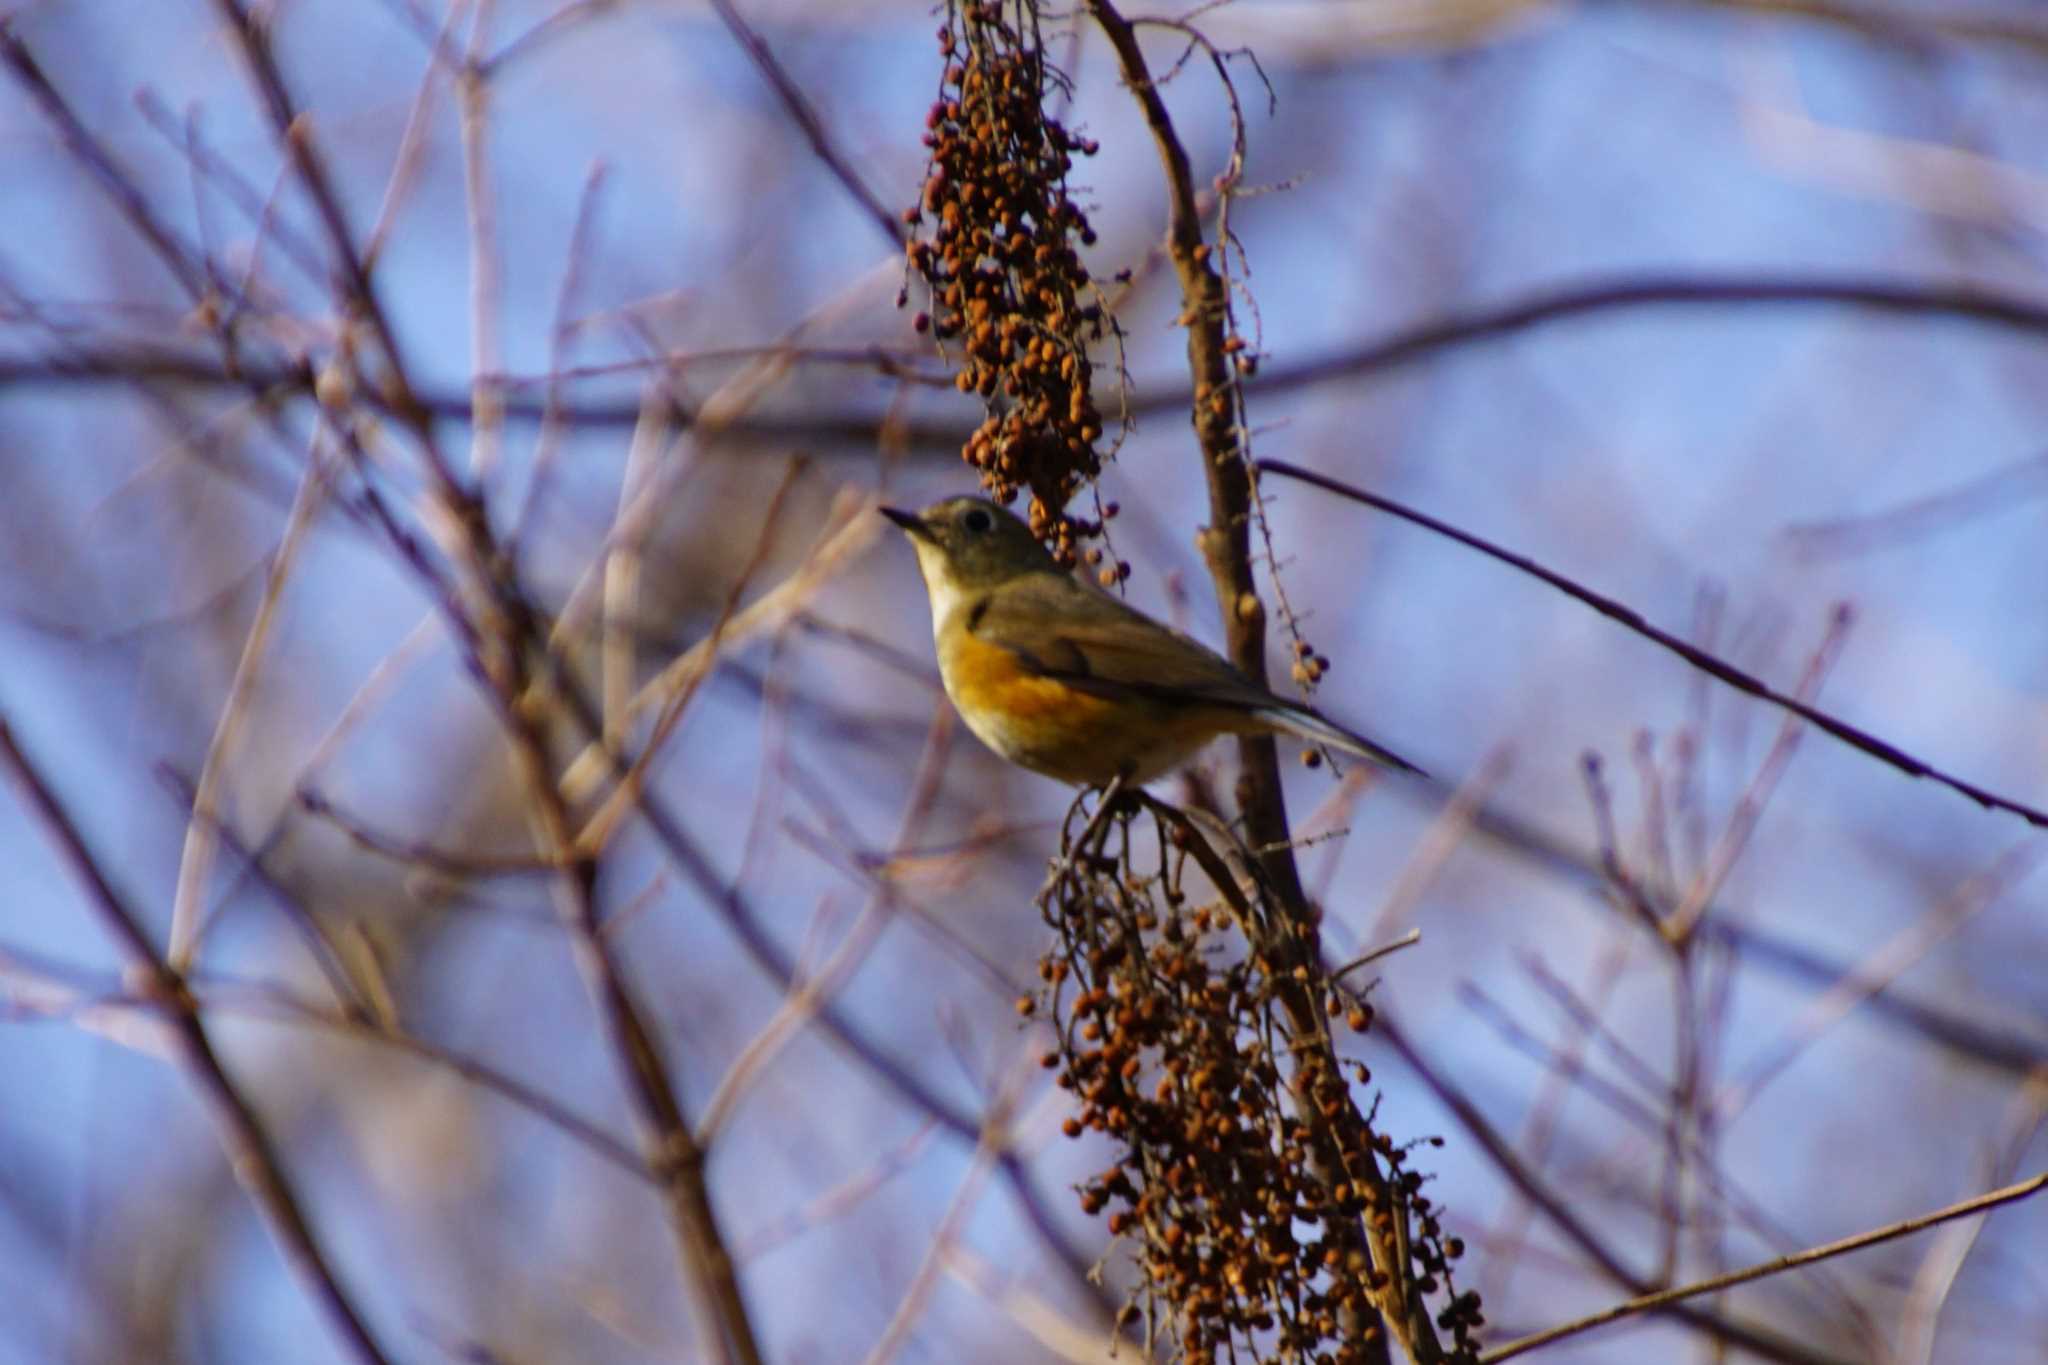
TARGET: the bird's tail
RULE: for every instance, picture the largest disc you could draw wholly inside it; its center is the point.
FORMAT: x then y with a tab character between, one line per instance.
1313	725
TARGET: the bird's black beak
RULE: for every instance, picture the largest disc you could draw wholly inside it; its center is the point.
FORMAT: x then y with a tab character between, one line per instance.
909	521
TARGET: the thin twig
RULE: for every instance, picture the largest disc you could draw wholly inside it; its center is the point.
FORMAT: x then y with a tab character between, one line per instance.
993	1142
196	859
1885	964
443	862
548	444
848	533
354	1000
801	1005
1585	298
251	1154
1407	940
814	130
1698	658
840	1199
1559	1210
1405	346
1713	872
552	26
666	1136
596	830
2007	1050
472	96
353	281
2013	487
229	181
1540	1129
1650	1302
412	143
178	257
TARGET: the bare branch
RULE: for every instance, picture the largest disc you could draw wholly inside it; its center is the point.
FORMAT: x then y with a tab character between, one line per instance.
1646	1303
806	118
1628	617
252	1156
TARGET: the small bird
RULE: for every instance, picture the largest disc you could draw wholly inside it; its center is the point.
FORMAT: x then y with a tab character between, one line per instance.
1066	680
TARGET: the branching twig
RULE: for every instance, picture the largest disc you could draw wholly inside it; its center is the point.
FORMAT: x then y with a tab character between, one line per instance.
502	641
1742	682
177	256
196	860
1761	1341
1650	1302
1226	545
252	1156
806	118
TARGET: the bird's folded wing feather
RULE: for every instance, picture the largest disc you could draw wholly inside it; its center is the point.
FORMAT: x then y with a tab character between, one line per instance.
1061	629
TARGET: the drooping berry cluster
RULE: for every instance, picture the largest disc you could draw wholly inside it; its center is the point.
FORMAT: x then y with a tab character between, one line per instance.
1007	284
1247	1176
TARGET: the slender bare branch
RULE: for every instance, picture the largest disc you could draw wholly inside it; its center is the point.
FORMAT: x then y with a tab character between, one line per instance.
1646	1303
177	256
1759	1340
806	118
1877	748
196	859
252	1155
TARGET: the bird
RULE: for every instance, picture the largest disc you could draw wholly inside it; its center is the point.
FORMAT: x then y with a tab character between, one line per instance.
1064	679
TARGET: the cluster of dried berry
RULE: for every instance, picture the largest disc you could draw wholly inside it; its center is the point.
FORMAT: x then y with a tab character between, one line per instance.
1247	1174
1006	281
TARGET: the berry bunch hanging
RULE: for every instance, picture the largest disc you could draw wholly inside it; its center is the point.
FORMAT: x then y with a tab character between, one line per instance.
1244	1173
997	243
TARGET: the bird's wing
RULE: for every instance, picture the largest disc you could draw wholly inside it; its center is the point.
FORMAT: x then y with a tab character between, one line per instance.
1059	628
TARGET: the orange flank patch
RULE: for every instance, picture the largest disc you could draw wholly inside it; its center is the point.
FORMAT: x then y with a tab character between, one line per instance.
988	678
1050	727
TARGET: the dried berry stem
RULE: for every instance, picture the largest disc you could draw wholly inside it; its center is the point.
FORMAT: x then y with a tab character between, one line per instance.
1003	269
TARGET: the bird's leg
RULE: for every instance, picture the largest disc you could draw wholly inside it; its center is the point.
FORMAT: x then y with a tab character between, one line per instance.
1089	842
1096	833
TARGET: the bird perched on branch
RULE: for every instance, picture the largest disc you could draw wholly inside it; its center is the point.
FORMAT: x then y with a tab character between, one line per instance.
1068	681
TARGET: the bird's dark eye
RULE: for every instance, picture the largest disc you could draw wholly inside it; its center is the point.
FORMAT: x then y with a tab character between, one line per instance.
978	520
